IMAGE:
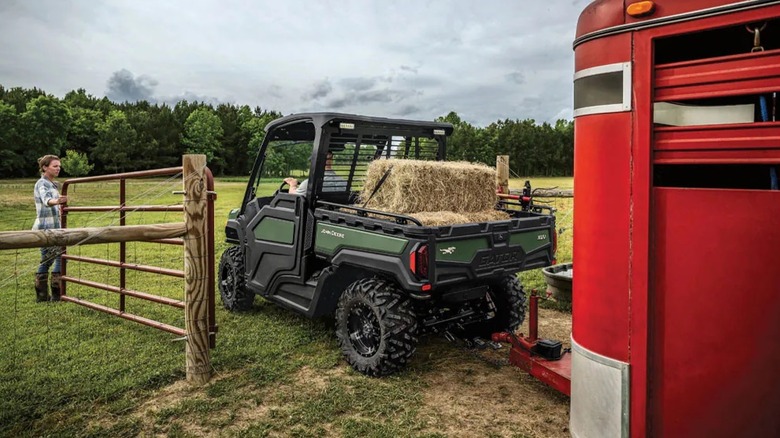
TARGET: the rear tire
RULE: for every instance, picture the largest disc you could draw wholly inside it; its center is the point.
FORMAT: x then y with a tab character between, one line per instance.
232	286
508	297
376	327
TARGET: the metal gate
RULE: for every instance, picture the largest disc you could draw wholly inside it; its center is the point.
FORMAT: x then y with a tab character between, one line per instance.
122	263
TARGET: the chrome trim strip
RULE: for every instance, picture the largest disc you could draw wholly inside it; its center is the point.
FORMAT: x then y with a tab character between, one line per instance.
611	108
606	68
624	380
672	19
599	109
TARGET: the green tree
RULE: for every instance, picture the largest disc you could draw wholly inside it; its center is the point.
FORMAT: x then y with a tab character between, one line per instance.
235	139
44	127
83	131
75	163
11	157
80	99
467	143
19	97
116	140
202	133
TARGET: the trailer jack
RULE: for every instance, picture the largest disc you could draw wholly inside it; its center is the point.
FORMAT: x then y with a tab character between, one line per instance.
542	358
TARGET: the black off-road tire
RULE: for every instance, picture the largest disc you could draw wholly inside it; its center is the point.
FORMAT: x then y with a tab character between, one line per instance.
376	327
232	287
508	297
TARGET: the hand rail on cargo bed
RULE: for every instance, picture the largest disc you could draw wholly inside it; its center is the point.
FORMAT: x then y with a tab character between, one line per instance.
363	212
538	209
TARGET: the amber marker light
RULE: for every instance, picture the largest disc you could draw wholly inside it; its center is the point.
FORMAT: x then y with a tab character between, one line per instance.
640	9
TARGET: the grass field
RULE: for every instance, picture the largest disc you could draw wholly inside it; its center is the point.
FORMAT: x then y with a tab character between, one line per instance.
70	371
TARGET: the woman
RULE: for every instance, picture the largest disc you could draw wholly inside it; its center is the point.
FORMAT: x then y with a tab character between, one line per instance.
47	204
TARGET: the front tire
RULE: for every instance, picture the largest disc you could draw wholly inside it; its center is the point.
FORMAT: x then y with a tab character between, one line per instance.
376	327
232	286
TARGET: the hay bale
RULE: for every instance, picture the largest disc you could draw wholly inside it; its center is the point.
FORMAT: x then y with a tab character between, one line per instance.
438	218
430	186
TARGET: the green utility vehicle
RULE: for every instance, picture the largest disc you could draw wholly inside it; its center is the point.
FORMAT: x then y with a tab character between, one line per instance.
386	277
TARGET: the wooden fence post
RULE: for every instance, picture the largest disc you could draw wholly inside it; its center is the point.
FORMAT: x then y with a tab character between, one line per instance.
502	173
196	270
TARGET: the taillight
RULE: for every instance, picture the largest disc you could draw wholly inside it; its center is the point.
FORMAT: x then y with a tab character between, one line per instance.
555	246
418	261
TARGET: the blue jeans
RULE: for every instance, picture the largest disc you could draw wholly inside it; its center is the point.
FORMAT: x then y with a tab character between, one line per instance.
50	255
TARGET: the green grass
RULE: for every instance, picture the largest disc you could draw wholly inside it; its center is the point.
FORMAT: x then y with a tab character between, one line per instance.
70	371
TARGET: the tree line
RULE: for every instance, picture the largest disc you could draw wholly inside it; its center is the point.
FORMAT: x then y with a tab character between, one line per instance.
533	149
100	136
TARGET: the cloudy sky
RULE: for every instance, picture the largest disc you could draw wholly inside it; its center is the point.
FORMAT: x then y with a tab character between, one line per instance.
486	60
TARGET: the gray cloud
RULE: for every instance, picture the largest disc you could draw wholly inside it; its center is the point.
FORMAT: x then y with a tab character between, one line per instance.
479	61
367	97
407	110
318	90
409	69
124	87
516	76
275	91
358	84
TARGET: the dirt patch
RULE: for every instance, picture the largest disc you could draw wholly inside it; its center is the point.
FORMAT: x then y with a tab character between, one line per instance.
251	407
474	398
552	325
167	397
316	380
504	402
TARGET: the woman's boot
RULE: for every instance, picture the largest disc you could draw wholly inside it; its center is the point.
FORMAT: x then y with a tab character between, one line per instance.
55	286
41	288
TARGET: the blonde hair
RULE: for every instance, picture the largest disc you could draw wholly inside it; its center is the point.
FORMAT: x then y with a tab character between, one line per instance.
46	160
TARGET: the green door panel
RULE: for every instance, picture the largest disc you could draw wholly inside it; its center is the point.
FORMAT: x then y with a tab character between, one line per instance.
331	238
275	230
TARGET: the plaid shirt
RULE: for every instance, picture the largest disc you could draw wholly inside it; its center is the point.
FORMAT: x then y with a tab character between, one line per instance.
48	216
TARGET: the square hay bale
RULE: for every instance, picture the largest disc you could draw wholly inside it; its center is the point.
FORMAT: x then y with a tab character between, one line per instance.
414	186
438	218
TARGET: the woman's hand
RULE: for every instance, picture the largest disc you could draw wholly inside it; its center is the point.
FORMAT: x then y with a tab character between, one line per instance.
59	201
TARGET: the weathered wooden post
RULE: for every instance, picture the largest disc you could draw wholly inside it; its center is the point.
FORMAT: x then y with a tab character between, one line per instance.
196	270
502	173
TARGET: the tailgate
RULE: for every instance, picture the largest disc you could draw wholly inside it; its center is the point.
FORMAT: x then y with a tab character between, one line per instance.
498	249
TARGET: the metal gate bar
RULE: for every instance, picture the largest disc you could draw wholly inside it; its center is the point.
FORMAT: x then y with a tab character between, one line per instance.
130	317
129	292
133	266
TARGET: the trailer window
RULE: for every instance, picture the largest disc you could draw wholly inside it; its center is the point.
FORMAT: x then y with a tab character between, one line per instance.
602	89
732	40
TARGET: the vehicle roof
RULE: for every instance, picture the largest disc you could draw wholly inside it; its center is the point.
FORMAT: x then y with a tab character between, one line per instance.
322	118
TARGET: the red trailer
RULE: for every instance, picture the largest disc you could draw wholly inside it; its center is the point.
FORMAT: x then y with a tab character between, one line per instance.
676	319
